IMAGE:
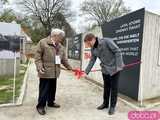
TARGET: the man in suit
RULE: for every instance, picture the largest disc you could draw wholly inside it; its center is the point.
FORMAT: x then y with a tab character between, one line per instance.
48	58
111	63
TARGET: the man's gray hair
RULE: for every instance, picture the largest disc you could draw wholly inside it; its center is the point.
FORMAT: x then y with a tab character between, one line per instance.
57	31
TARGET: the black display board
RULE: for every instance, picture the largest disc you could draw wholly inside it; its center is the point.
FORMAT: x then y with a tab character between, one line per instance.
11	43
74	47
127	32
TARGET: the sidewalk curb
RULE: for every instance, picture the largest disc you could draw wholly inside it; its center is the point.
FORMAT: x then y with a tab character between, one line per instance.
24	86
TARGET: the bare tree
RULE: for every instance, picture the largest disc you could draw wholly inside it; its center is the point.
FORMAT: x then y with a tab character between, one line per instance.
104	10
50	13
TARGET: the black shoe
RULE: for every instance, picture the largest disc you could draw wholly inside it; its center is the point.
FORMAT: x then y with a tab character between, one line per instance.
41	110
103	106
54	105
111	111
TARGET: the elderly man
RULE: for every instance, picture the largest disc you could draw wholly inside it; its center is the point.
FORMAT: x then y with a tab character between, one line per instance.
49	55
111	63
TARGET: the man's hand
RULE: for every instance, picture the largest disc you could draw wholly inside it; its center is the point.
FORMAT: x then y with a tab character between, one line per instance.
84	74
70	68
42	71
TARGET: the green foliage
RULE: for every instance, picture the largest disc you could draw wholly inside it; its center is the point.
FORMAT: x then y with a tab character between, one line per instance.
8	16
6	82
38	27
49	14
37	34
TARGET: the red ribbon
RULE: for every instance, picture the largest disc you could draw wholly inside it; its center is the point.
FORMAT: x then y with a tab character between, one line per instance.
132	64
80	73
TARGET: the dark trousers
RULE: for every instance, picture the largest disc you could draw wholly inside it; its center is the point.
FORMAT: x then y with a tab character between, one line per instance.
110	89
47	91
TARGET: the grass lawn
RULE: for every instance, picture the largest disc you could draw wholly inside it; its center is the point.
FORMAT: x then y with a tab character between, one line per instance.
6	85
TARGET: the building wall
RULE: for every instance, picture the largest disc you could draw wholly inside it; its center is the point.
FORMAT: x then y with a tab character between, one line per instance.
150	68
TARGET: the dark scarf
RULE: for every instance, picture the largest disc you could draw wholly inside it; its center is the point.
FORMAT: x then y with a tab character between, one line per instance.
96	43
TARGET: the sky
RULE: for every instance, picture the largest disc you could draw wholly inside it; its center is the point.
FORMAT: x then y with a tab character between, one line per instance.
80	23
